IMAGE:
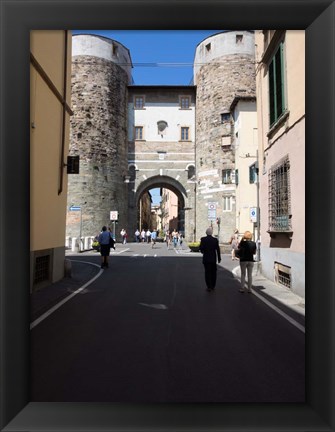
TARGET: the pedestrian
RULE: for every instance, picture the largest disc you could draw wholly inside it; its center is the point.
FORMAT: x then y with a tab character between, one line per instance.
153	238
104	240
209	247
246	251
143	235
148	234
124	236
174	238
137	236
180	240
168	239
234	244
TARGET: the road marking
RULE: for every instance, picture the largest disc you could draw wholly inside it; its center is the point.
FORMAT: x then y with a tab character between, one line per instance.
58	305
154	306
121	251
275	308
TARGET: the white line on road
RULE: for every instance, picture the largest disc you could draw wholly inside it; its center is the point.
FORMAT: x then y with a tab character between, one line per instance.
58	305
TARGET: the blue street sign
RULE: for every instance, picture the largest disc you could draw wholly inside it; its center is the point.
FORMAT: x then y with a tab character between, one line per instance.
74	208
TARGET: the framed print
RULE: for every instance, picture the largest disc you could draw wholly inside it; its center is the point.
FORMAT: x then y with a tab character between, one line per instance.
317	18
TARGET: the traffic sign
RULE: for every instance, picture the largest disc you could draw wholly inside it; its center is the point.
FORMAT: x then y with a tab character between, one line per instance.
114	215
75	208
253	214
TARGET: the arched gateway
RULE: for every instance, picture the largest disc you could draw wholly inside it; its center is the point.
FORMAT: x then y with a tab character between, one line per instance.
130	139
186	221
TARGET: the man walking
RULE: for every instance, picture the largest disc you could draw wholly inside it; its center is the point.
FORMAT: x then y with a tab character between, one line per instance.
209	247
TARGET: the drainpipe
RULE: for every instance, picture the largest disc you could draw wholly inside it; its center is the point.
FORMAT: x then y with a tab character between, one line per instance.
62	163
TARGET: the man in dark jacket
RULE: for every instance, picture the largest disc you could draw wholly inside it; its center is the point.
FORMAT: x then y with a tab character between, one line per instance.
209	247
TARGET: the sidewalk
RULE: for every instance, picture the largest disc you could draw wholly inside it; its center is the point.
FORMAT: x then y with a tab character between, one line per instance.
280	296
47	297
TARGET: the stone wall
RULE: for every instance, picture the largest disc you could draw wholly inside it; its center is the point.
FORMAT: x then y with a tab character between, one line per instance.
99	136
218	82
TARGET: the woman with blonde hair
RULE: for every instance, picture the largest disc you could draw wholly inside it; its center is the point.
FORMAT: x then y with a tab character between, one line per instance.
246	251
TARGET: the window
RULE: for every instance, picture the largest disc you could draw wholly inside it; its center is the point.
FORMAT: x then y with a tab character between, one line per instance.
191	172
208	47
225	117
276	85
184	102
280	197
114	49
227	176
139	102
139	132
226	141
253	173
185	133
239	38
226	203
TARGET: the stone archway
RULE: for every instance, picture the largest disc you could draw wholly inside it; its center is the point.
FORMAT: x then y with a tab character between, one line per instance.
186	208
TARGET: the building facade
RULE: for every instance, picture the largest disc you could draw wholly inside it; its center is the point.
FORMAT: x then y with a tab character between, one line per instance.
135	138
161	147
50	102
223	69
280	80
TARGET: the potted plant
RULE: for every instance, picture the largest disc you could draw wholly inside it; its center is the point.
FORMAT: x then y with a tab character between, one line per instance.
96	246
195	246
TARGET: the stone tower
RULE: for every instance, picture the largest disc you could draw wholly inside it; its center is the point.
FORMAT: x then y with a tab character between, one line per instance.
223	68
101	72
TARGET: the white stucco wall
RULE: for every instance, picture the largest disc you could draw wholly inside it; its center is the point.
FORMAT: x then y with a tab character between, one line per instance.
98	46
168	112
245	155
222	44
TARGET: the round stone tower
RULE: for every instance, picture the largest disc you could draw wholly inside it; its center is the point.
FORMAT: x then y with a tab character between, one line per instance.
101	72
223	69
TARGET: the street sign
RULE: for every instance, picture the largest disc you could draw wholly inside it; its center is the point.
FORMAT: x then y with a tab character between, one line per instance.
211	206
253	214
74	208
114	215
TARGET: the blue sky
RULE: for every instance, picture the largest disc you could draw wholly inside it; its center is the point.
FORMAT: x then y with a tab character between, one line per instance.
169	50
159	57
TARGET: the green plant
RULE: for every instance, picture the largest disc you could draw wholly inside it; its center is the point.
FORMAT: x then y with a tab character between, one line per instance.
194	244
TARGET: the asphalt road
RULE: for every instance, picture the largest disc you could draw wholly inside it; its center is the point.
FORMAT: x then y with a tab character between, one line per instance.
147	331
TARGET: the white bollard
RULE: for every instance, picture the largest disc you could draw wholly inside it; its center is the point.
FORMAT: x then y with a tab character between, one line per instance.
73	244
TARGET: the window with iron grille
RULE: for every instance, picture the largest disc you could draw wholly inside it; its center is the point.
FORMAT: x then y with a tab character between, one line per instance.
280	197
283	274
42	268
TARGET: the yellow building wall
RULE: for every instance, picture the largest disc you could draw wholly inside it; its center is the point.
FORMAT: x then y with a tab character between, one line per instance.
48	194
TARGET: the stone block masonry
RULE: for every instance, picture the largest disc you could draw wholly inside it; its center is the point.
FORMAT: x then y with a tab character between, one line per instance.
98	135
228	73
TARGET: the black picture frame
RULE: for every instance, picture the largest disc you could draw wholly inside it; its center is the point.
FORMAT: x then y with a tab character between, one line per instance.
18	18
